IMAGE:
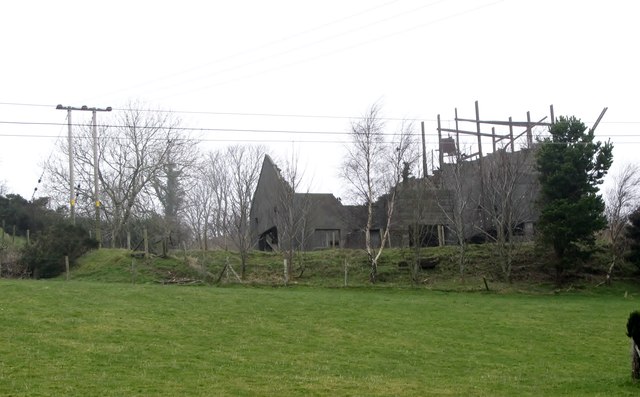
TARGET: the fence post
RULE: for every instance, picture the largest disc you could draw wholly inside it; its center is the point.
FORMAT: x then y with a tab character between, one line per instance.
66	265
28	237
146	243
286	273
346	272
133	271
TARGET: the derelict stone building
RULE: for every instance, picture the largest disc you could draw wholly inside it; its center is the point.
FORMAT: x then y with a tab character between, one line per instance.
500	185
280	216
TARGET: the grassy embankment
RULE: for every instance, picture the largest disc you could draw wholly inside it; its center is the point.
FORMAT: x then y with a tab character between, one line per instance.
327	268
88	338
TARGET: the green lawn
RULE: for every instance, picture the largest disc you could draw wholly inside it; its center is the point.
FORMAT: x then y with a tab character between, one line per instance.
96	339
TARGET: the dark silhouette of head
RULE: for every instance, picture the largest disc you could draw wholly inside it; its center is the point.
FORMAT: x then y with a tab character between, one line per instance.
633	327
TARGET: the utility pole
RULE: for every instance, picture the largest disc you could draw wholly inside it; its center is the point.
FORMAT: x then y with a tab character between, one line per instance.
424	153
96	191
72	188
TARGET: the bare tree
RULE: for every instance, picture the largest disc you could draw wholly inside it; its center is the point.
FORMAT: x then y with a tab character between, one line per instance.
209	200
244	170
621	199
132	152
168	187
293	211
456	206
199	204
509	192
220	180
373	167
197	210
363	170
421	200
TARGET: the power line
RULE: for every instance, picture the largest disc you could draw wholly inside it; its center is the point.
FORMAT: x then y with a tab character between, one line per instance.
26	104
48	160
415	27
301	47
209	129
194	129
201	139
289	115
266	140
256	48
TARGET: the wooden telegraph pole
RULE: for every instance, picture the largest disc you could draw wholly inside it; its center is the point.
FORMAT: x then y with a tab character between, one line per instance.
96	194
424	152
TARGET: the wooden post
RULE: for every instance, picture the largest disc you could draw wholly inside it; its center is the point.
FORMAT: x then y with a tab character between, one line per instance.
432	159
529	131
66	265
553	117
457	137
96	185
424	152
346	272
481	169
595	125
479	135
28	237
133	271
511	135
441	235
129	240
146	243
203	270
440	154
493	138
286	273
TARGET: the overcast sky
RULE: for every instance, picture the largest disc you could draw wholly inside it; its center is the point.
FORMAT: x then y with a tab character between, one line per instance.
280	65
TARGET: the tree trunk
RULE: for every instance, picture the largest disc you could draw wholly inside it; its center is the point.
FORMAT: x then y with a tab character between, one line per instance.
373	274
635	361
610	271
243	260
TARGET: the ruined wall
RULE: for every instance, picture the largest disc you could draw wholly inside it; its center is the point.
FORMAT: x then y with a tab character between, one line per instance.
501	171
266	198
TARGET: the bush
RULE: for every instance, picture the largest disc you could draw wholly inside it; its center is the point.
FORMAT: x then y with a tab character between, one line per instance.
633	234
45	257
24	215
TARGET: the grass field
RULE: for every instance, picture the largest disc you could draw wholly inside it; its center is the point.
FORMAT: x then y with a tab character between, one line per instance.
88	339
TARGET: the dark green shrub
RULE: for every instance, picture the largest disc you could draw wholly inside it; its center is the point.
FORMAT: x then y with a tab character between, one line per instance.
632	232
45	257
15	211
